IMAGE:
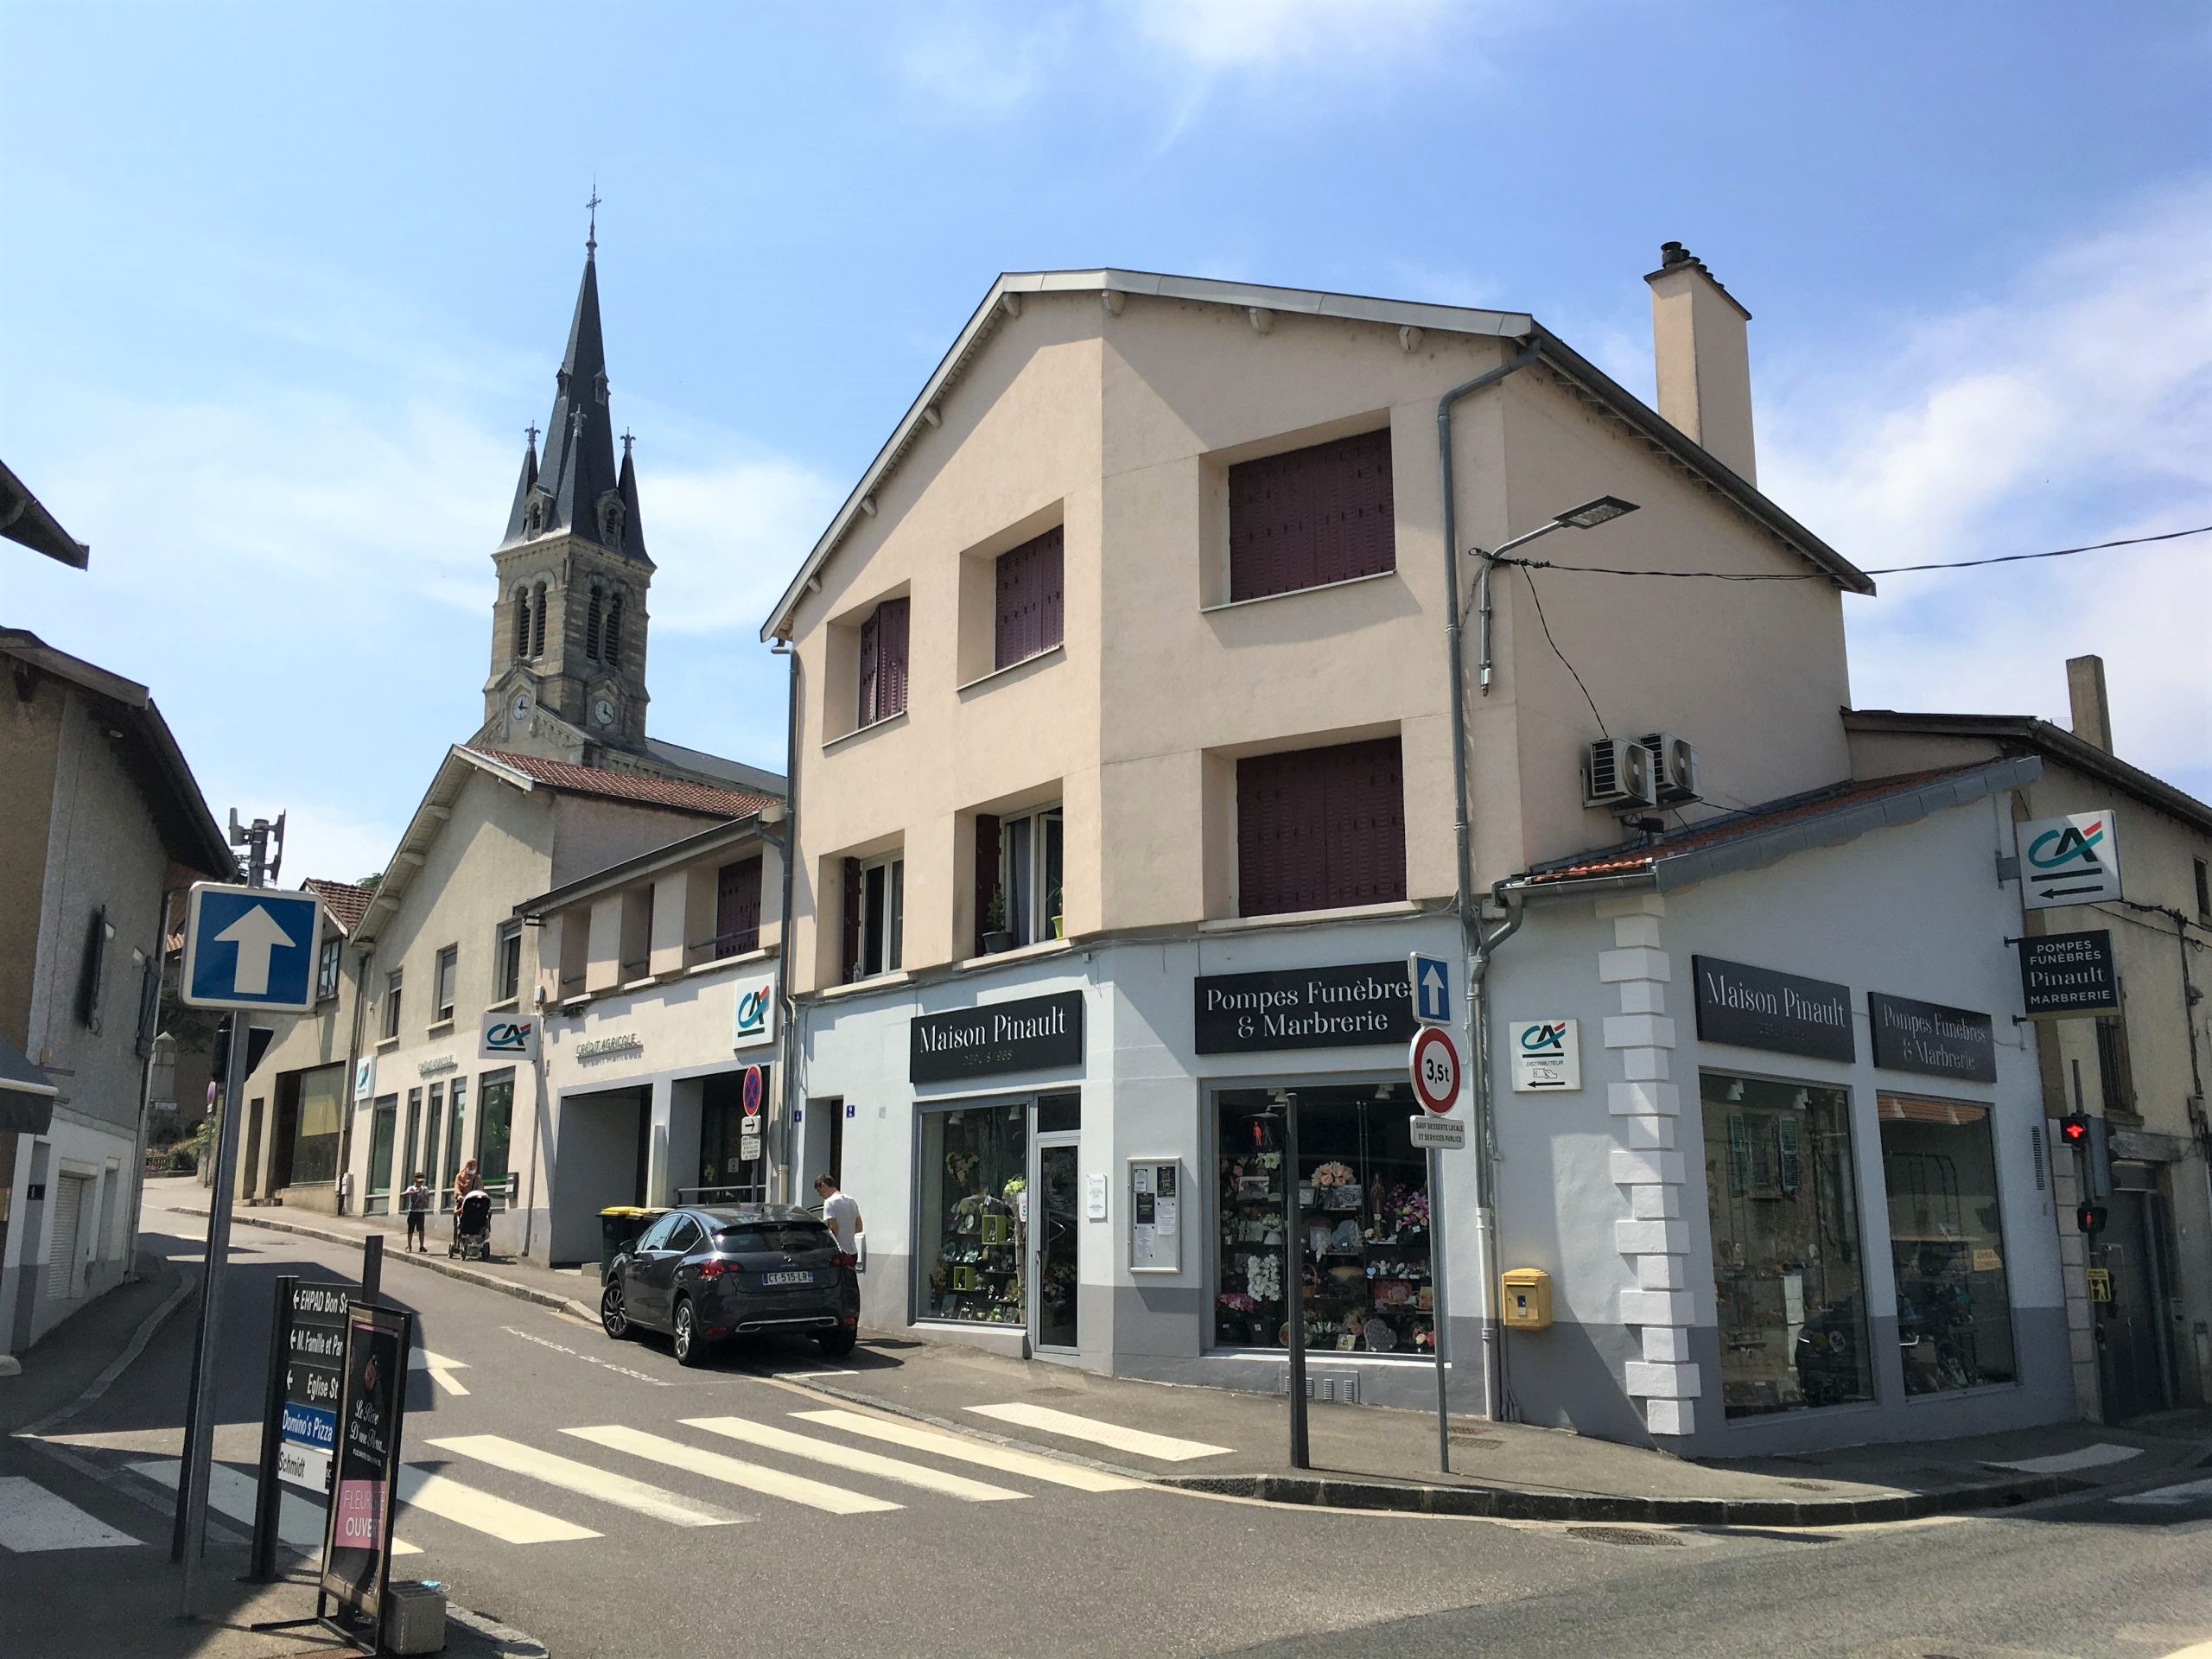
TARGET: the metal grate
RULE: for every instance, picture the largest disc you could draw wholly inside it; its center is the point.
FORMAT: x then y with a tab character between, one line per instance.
1621	1535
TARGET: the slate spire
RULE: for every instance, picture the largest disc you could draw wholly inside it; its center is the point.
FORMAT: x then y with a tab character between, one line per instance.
577	489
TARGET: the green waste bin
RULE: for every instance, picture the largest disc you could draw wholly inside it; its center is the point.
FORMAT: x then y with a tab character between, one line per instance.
619	1227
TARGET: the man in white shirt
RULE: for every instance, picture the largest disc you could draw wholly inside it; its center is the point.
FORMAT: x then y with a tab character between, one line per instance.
840	1214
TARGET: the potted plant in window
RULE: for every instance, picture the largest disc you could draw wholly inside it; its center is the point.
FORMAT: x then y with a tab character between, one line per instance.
1059	921
995	937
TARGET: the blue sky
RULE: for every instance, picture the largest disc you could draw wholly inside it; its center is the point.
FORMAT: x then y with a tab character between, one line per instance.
282	286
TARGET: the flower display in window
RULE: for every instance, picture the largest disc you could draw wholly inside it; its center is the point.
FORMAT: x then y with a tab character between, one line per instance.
1263	1278
1236	1301
1333	1174
1406	1209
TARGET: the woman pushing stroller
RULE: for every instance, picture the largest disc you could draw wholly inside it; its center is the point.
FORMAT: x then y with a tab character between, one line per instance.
471	1215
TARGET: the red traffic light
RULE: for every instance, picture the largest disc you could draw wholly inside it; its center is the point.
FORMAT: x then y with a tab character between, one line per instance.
2090	1218
2075	1128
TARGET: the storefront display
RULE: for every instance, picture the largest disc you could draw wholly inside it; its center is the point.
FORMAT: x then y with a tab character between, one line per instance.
975	1214
1955	1322
1787	1276
1364	1256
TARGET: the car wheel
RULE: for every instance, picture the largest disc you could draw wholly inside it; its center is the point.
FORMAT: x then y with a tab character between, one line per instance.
614	1311
836	1345
691	1347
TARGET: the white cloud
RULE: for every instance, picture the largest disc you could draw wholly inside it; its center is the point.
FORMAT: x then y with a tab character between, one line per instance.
963	62
1217	35
727	538
2071	408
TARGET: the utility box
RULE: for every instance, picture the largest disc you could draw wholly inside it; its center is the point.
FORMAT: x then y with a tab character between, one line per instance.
414	1616
1524	1299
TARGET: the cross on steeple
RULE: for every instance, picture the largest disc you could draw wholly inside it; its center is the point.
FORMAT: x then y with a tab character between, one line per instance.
530	432
627	440
591	236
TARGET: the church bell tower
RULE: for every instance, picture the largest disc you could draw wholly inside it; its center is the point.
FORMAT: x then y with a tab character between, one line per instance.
567	676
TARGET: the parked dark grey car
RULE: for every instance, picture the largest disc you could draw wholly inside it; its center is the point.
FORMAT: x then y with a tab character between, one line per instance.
705	1274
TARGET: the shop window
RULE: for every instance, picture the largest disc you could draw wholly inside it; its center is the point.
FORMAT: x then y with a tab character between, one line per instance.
737	907
506	963
974	1214
1954	1316
321	1115
1364	1258
883	663
1311	517
434	1136
1787	1276
1320	828
495	1105
384	1119
451	1165
1030	610
875	900
410	1143
725	1175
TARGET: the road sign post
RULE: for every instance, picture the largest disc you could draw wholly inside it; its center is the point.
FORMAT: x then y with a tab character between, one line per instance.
1429	980
1433	1062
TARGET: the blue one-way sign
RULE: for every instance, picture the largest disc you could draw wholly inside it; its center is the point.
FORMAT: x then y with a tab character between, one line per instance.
1431	977
251	948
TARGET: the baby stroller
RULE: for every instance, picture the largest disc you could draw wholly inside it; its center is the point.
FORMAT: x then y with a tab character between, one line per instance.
472	1228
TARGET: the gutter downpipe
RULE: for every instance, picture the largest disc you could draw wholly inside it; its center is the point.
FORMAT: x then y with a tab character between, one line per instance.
787	1036
1478	948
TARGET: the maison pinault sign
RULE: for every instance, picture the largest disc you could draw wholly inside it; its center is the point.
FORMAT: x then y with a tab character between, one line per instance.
1028	1034
1783	1013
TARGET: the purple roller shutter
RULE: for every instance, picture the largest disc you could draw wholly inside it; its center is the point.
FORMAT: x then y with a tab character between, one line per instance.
737	908
891	658
871	672
1320	828
1311	516
987	873
850	952
1031	603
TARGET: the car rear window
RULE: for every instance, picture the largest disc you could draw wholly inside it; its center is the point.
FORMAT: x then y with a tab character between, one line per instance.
774	1236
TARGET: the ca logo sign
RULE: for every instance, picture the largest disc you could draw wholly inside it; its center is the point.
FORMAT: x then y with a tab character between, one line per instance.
1540	1041
753	1011
2067	849
509	1037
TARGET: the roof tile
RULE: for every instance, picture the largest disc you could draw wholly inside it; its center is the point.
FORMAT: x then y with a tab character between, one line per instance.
342	901
632	787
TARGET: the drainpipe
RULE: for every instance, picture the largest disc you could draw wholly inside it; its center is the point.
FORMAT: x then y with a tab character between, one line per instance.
361	961
787	1032
1478	947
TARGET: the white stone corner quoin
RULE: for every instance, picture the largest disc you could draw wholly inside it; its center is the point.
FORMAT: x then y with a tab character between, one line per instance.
1651	1235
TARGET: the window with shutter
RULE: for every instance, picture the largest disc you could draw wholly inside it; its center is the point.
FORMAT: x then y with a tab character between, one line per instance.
849	959
1320	828
870	643
1311	517
737	908
891	658
986	873
1031	605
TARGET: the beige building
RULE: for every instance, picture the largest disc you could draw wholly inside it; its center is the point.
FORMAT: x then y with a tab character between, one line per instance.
2145	1342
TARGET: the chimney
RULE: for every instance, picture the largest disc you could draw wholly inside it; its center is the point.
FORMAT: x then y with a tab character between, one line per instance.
1704	359
2085	689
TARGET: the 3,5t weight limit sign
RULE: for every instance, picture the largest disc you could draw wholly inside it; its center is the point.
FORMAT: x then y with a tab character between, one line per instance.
1434	1063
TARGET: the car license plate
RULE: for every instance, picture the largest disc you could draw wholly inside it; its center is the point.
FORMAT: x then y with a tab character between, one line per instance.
802	1277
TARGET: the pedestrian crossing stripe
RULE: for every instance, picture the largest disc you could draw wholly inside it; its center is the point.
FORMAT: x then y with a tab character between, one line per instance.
2169	1497
860	1463
231	1495
1163	1447
753	1477
990	1455
511	1523
34	1519
620	1490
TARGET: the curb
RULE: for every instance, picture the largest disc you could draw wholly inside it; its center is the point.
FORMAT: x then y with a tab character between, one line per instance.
435	1264
1507	1503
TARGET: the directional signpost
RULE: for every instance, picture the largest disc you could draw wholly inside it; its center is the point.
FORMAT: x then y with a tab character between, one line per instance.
2069	861
1430	978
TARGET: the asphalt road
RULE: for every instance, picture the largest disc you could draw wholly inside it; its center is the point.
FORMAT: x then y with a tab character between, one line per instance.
616	1523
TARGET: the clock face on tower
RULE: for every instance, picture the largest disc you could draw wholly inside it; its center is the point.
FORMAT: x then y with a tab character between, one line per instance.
519	708
603	711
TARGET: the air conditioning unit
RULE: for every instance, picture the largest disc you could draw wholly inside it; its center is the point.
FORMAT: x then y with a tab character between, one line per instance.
1617	774
1674	767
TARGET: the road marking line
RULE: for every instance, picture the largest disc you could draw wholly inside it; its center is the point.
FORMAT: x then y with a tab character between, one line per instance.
511	1523
2188	1492
860	1463
1165	1447
231	1494
2063	1463
439	1368
642	1376
557	1471
236	1442
755	1477
32	1519
1005	1458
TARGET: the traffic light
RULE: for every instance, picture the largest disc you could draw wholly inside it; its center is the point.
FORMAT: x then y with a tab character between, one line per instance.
2073	1128
2090	1217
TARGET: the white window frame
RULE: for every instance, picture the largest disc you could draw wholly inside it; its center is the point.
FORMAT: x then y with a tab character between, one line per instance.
445	983
1023	882
394	983
329	961
886	934
507	934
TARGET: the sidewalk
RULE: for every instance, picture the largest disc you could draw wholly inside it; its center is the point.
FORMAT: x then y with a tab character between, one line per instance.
1370	1457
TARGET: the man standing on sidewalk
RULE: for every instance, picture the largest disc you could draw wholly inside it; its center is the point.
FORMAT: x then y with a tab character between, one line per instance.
841	1212
415	1205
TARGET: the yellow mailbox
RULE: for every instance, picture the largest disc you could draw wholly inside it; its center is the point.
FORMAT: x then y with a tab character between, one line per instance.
1525	1295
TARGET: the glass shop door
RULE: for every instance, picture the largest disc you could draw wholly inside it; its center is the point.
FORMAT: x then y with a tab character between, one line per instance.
1055	1231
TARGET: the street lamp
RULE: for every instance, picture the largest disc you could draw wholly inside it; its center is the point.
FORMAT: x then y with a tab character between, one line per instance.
1588	515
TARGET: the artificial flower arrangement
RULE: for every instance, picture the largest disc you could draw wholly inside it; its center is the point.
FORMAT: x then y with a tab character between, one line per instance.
1236	1301
1333	1174
1263	1278
1407	1210
1014	1188
1424	1338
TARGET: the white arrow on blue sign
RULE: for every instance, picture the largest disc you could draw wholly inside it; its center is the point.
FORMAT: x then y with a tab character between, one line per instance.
1431	978
251	948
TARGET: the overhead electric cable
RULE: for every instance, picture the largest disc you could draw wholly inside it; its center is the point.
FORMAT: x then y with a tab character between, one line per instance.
1815	576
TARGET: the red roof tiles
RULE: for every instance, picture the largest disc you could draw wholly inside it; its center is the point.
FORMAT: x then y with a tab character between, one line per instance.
1623	861
341	900
632	787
